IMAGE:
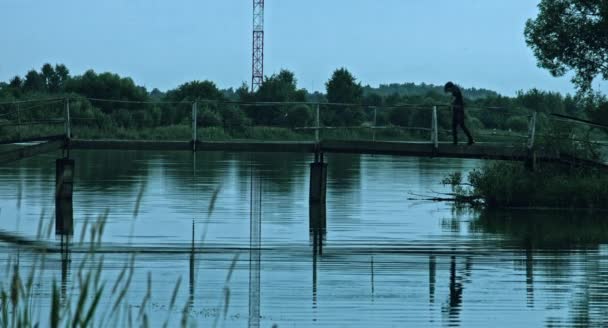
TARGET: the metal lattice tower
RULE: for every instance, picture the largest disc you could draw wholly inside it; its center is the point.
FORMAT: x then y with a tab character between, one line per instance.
257	76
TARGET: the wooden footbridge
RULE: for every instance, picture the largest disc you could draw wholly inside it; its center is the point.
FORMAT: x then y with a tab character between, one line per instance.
524	150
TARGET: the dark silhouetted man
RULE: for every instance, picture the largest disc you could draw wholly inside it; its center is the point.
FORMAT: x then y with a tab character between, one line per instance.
457	112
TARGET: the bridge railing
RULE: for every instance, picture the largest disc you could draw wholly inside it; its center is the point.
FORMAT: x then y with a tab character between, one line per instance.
205	120
31	120
209	120
573	136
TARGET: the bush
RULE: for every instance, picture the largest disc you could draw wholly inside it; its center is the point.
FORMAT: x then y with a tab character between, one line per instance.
123	118
400	116
208	118
421	118
234	119
299	116
504	184
517	123
474	123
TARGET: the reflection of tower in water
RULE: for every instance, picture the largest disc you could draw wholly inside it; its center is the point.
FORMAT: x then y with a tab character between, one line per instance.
255	236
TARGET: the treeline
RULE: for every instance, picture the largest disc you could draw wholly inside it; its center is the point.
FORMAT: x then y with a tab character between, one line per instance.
486	109
413	89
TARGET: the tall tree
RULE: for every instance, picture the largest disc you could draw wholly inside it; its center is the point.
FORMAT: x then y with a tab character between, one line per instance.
51	81
343	88
281	87
194	90
107	86
58	78
34	82
16	83
571	35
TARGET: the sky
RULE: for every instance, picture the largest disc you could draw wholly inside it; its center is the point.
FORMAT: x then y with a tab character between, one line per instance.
162	44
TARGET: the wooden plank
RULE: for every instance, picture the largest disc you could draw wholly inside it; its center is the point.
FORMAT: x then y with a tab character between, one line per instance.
29	151
489	151
33	139
426	149
130	145
232	145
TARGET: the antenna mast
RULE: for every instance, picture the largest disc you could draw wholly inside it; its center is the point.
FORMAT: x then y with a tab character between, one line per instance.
257	76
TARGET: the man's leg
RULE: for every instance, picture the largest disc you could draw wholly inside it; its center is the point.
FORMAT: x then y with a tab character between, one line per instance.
467	132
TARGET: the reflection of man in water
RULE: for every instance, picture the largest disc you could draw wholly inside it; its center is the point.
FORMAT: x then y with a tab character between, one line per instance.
457	112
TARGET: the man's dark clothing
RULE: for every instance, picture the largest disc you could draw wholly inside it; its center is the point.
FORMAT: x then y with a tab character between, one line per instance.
458	115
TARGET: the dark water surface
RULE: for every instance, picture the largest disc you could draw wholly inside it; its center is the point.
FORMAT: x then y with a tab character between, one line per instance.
383	261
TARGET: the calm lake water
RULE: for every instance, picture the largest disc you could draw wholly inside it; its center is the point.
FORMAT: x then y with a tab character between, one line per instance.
384	260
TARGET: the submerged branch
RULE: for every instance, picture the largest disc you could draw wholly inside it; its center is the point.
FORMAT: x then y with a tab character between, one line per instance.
453	197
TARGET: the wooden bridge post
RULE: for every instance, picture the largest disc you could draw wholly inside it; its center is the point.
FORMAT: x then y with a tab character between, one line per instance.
531	131
375	123
68	128
530	162
194	125
318	181
434	132
64	181
318	123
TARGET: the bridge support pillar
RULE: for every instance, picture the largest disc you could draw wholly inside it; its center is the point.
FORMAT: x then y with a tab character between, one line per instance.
531	162
318	180
64	180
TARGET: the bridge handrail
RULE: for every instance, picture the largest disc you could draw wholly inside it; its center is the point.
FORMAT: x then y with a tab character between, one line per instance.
561	117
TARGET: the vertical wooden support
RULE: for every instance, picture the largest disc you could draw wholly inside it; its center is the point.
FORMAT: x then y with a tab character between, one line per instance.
531	131
18	114
68	127
375	122
18	121
318	123
530	162
434	132
318	182
194	125
64	181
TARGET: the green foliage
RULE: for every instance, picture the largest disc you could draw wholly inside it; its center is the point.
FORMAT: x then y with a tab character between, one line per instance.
34	82
413	89
107	86
195	90
280	87
597	110
504	184
571	35
299	116
541	101
474	123
208	118
342	88
234	119
517	123
400	116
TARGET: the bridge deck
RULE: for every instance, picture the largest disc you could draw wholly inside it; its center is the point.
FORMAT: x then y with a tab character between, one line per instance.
420	149
26	151
495	151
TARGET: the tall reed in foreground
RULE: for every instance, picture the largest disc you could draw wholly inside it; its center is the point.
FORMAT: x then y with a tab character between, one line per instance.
90	301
